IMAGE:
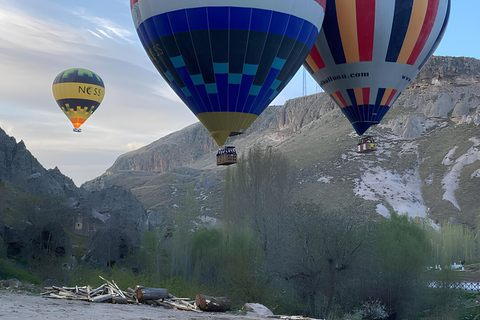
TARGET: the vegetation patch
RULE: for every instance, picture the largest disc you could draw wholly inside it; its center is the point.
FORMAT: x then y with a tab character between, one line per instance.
8	270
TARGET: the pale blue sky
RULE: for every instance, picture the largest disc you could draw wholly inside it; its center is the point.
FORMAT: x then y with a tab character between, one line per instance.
38	39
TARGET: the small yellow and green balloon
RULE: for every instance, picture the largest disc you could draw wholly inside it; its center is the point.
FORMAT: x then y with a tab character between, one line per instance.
78	93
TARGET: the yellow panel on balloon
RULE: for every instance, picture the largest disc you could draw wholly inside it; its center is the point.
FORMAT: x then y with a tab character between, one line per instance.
77	90
223	124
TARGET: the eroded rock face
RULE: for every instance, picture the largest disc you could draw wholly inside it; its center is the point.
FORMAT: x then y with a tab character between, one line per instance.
457	71
179	149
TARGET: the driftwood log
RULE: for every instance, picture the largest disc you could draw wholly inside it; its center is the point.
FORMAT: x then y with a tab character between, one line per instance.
119	300
146	293
103	298
207	303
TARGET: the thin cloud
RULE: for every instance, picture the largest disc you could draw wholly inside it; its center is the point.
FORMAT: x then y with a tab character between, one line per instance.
105	34
107	27
28	33
95	34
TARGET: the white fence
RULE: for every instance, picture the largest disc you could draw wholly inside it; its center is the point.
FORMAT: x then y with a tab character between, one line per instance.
463	285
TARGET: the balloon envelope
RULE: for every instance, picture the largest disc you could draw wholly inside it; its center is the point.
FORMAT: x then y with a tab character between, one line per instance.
368	51
227	60
78	93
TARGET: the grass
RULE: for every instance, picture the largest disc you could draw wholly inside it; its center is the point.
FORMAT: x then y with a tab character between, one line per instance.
8	270
76	239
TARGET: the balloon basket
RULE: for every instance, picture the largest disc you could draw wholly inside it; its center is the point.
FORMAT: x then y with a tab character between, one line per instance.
366	144
226	156
77	130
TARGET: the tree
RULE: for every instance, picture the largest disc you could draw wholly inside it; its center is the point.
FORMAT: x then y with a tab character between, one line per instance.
324	243
181	248
402	252
154	255
258	190
206	255
452	243
300	263
242	259
345	234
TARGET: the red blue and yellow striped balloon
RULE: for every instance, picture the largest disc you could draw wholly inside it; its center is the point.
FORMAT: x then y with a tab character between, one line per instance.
370	50
78	93
227	60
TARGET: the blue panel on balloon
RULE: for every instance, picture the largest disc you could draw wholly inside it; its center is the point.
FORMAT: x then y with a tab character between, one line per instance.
211	88
305	35
218	17
178	20
159	24
294	26
202	93
260	20
240	18
279	23
197	18
148	31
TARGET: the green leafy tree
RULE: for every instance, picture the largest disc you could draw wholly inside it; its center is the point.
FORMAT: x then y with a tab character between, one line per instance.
452	243
206	255
402	254
242	273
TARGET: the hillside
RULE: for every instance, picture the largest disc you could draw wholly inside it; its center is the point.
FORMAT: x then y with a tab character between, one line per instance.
426	164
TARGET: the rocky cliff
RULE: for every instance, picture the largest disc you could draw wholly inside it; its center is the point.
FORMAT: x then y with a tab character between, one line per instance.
57	203
426	164
18	166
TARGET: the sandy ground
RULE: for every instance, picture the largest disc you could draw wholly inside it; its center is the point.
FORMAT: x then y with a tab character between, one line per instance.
14	305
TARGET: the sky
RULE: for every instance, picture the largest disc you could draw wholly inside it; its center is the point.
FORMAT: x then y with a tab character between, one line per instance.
39	39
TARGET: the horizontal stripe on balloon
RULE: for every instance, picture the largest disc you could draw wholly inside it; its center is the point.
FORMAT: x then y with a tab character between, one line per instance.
207	19
80	106
309	10
222	124
76	90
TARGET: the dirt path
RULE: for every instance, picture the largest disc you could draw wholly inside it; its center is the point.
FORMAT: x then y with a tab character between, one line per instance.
23	306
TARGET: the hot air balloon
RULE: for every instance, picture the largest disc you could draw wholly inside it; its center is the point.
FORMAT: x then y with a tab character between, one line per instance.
227	60
78	93
368	51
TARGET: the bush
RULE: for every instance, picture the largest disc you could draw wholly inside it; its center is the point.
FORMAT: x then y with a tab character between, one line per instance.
181	288
373	310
